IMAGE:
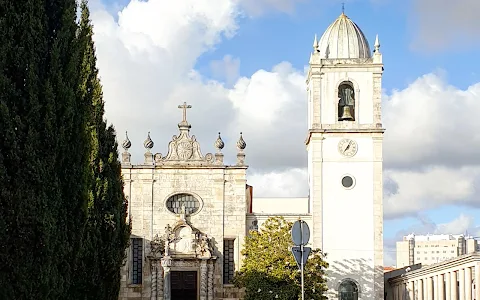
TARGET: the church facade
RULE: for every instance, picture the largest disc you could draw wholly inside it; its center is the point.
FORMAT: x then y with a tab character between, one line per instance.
190	212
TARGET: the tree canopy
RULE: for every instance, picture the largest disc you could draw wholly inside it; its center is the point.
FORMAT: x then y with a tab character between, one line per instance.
269	270
61	193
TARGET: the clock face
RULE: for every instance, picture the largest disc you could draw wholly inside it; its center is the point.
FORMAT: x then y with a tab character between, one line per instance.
347	147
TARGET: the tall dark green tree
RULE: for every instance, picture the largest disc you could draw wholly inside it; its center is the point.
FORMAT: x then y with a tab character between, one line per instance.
44	149
107	232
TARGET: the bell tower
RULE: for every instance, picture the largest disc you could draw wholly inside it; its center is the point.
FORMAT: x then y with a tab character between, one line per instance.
344	145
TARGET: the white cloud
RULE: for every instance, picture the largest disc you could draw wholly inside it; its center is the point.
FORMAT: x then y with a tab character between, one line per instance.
290	182
227	68
431	146
445	24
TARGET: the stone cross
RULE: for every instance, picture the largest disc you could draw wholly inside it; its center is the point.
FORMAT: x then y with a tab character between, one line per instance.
184	107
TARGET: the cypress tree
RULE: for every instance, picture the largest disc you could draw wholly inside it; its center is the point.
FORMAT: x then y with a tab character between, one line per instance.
107	233
44	150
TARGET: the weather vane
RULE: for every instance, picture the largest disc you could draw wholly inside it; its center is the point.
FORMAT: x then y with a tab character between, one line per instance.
343	7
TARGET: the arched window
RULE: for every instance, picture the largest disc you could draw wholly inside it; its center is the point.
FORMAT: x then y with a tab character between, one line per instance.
346	101
176	202
348	290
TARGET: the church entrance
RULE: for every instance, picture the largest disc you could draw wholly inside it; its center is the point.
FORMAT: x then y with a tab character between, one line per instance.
184	285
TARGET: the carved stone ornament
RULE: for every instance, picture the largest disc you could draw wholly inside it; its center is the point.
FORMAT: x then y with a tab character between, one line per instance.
181	241
157	247
184	149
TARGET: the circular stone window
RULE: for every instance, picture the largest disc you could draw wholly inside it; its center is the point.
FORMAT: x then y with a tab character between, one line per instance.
348	182
176	202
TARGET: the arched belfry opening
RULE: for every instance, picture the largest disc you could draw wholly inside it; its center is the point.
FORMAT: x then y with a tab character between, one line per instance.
346	101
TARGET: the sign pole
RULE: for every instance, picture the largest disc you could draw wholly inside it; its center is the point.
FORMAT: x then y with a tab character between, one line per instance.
300	237
303	291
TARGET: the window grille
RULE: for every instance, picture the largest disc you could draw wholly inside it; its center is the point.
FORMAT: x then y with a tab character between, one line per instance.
228	260
175	203
137	260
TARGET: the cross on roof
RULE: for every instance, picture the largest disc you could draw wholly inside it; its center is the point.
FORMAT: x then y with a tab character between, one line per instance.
184	106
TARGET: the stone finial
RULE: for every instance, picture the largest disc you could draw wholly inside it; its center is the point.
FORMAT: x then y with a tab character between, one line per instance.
377	45
241	145
126	144
219	144
315	44
148	144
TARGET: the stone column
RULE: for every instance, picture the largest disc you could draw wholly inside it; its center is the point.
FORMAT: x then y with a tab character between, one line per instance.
448	285
429	288
411	290
453	285
203	279
166	263
154	272
468	283
160	281
441	287
477	281
461	279
211	274
420	289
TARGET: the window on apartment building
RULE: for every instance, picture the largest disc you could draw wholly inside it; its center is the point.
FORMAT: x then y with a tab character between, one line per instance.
228	260
137	259
418	252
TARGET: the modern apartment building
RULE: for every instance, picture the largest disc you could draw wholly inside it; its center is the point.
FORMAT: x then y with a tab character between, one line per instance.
433	248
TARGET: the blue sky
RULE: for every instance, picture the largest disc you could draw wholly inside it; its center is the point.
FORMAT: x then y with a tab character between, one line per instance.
416	39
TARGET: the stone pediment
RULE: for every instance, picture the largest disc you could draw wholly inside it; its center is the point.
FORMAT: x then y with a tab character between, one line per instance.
184	149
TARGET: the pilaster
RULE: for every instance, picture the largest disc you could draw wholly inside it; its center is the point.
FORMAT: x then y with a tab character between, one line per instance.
203	280
166	264
211	274
468	283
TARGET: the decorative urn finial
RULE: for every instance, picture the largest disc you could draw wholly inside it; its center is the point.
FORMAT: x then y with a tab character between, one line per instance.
148	144
219	144
126	144
241	145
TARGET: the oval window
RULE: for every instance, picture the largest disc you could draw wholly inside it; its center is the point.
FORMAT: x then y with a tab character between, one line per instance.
176	202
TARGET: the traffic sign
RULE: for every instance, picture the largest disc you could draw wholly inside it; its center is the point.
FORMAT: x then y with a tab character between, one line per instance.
297	253
300	233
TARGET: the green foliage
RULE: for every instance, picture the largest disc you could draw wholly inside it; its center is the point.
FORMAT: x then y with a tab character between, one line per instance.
43	149
269	270
107	233
62	207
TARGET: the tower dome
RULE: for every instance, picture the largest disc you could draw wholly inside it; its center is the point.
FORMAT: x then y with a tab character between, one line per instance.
344	39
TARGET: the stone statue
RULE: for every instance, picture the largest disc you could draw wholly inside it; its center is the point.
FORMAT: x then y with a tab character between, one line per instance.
346	95
169	237
203	247
157	247
183	212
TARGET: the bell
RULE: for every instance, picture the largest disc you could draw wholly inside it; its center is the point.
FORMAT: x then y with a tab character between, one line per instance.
346	114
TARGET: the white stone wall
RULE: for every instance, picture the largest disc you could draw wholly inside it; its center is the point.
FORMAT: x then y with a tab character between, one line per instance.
221	191
275	206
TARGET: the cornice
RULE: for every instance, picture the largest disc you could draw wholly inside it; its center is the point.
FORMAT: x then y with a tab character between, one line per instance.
349	130
425	271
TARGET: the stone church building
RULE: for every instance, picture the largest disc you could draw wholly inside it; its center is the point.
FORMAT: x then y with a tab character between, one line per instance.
190	212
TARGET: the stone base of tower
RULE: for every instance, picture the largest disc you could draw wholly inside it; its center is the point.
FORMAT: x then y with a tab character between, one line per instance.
355	279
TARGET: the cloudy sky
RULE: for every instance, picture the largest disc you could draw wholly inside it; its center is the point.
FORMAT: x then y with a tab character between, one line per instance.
241	65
